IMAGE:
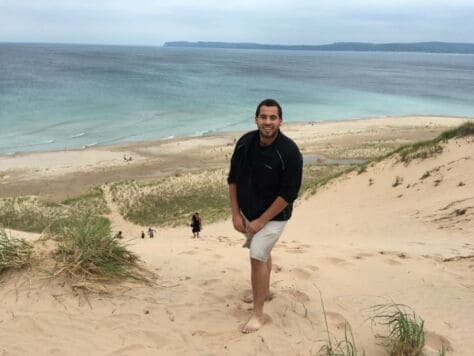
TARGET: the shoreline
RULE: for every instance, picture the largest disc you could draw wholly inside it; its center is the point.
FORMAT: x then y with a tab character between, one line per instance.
65	173
225	133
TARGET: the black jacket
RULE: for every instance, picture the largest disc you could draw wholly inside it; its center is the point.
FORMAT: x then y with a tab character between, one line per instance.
262	174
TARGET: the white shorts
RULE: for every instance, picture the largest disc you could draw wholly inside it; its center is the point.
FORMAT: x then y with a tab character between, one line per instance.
263	241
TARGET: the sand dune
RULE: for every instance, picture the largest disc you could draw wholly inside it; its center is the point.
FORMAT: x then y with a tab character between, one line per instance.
362	240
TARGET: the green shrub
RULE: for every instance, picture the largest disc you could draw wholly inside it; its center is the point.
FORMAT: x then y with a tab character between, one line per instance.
87	248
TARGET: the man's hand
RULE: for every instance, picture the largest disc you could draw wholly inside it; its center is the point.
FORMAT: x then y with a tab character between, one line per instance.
255	226
239	223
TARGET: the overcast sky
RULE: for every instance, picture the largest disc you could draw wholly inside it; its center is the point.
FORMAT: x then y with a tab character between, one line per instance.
153	22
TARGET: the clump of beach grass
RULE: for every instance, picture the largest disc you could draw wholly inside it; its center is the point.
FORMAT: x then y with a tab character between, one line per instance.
14	253
332	347
405	330
88	251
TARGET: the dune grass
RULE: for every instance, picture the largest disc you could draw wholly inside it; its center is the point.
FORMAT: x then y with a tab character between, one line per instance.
33	214
87	249
332	347
405	330
14	253
316	176
429	148
171	201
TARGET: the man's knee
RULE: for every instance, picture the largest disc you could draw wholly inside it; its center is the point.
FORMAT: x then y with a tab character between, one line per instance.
257	263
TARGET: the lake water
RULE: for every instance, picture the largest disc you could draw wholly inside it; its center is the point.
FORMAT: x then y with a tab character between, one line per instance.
71	96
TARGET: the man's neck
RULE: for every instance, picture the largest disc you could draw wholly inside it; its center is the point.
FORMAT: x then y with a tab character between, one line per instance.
263	141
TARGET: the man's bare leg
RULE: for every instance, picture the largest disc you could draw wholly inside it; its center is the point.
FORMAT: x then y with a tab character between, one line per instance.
260	277
248	298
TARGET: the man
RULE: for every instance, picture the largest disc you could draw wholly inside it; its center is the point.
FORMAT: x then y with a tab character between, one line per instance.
264	180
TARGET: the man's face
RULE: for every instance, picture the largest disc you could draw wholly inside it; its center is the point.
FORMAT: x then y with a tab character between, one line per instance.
268	121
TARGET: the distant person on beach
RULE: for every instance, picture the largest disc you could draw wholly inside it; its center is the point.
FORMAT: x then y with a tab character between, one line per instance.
151	233
143	234
196	225
264	180
118	235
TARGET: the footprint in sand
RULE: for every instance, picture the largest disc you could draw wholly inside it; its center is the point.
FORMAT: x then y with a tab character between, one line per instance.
297	249
299	296
363	255
437	342
170	315
337	261
189	252
312	268
392	262
276	268
301	273
336	319
208	282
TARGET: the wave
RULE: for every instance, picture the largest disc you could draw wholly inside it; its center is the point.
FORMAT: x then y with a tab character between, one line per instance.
78	135
90	145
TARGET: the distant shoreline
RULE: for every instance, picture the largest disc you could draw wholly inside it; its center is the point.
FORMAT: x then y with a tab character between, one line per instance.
422	47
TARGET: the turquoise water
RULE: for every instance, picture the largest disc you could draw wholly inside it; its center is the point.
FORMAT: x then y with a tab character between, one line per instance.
70	96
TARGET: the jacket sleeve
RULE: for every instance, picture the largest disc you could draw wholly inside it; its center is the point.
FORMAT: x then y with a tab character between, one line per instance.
232	177
292	175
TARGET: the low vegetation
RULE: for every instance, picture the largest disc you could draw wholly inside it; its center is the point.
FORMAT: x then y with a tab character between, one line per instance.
425	149
316	176
87	250
405	330
35	215
171	201
14	253
332	347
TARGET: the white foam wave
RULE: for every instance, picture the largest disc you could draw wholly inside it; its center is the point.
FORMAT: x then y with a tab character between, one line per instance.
78	135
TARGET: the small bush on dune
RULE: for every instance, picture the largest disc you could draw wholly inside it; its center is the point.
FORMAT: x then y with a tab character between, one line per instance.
87	249
14	253
406	336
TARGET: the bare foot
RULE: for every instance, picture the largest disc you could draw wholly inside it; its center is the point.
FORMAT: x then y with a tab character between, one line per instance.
253	324
248	298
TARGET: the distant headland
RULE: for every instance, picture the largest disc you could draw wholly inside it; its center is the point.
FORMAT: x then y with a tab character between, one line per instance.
429	47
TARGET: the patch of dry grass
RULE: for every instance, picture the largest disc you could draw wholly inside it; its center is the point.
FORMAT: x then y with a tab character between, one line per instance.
14	253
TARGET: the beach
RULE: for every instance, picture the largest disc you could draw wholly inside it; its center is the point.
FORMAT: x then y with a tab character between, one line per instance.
390	233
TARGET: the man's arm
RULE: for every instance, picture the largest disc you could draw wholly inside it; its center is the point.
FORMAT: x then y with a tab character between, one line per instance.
237	219
273	210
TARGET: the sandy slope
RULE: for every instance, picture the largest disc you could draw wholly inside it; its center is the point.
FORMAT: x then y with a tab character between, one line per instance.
360	240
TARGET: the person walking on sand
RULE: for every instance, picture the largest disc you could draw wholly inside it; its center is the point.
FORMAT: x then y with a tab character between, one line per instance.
151	232
264	180
196	225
